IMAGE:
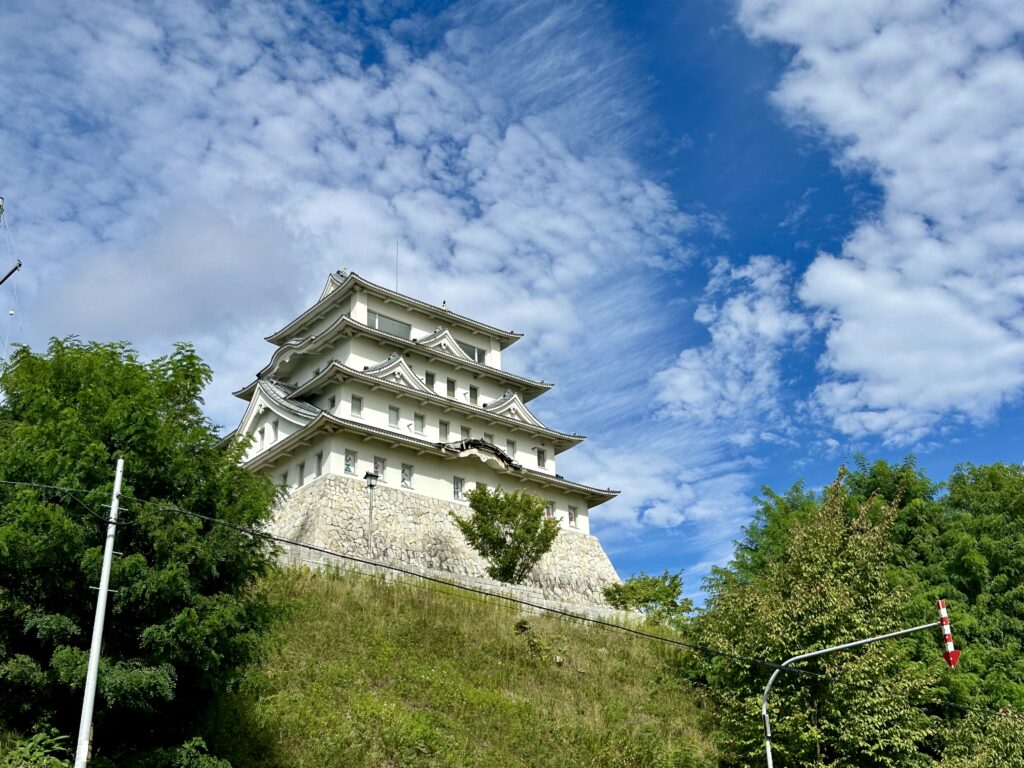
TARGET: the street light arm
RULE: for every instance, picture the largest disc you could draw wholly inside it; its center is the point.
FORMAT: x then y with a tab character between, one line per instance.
821	652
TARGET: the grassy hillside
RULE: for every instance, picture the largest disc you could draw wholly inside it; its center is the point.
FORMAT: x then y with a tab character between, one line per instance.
362	673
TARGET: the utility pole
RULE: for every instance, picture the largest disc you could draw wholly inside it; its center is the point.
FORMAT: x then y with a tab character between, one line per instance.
85	726
950	655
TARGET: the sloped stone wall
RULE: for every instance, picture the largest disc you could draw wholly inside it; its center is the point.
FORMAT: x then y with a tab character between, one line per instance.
415	530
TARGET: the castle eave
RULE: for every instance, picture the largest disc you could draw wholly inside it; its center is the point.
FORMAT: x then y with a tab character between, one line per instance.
326	423
328	300
336	371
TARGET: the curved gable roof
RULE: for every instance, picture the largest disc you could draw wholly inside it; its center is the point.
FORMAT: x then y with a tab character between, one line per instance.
396	370
441	339
511	406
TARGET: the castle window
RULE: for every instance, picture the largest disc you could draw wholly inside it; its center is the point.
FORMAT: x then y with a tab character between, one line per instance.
357	407
388	325
319	464
418	422
542	457
380	465
393	414
407	475
457	484
451	387
475	353
474	395
572	516
467	433
351	459
442	430
488	438
302	473
550	511
428	379
510	448
284	478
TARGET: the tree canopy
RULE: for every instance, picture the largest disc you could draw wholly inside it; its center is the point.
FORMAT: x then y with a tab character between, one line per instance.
187	610
870	555
659	598
825	582
509	529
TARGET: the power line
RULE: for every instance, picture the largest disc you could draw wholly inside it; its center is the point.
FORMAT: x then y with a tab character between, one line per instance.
454	585
490	597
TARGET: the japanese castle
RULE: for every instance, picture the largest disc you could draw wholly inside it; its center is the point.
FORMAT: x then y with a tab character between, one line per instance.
368	381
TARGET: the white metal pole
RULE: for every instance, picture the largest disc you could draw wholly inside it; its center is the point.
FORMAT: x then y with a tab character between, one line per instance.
812	654
85	726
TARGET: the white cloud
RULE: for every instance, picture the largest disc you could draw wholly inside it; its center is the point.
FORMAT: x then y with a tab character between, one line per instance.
735	381
923	306
191	172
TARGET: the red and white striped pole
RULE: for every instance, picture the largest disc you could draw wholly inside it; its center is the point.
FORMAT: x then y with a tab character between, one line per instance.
951	655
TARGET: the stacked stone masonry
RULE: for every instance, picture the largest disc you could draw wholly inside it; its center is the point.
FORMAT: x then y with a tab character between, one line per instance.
417	531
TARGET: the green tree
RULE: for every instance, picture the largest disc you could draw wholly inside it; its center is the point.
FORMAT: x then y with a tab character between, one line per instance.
985	740
658	598
509	529
822	579
188	610
967	546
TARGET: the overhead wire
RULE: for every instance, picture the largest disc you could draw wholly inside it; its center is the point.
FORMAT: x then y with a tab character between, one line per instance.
490	597
697	647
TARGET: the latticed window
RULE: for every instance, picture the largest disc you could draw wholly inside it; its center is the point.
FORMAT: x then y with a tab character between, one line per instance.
407	475
351	459
572	516
380	464
457	485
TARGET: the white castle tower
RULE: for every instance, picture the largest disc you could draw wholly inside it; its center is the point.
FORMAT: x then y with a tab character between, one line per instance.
369	380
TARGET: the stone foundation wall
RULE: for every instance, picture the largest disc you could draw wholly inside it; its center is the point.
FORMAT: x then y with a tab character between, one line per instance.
414	530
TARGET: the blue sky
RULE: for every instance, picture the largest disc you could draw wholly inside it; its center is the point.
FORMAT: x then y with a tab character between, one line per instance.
746	240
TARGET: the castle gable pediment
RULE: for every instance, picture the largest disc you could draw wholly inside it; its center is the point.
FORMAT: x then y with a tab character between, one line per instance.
511	406
269	397
443	341
395	370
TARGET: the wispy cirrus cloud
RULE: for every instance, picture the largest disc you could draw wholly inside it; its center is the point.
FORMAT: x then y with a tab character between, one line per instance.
221	160
194	172
736	381
922	308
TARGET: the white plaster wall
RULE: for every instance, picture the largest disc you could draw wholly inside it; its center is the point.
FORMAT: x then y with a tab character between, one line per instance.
424	324
271	434
433	476
375	413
